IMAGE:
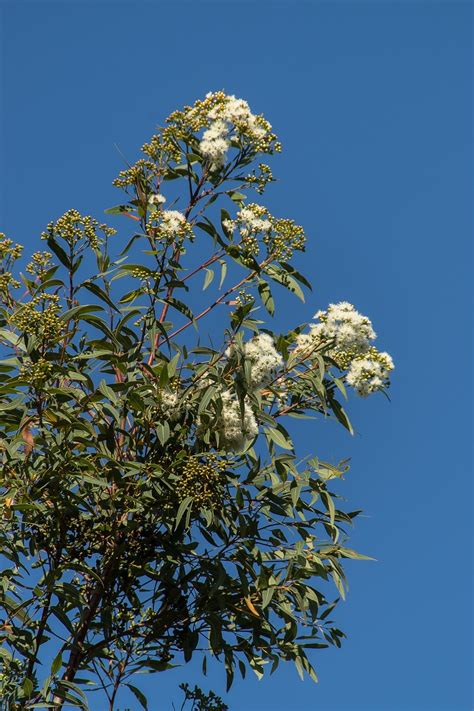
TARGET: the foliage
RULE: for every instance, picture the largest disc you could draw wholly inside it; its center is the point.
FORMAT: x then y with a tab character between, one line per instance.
153	506
201	701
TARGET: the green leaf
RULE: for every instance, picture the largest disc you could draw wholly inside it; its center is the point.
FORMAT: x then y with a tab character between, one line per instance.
59	252
108	392
279	437
27	687
266	296
119	209
139	695
267	597
291	270
179	306
81	701
329	503
208	278
100	293
236	196
223	264
163	432
285	279
341	414
338	583
349	553
341	387
299	667
206	398
78	311
57	664
183	507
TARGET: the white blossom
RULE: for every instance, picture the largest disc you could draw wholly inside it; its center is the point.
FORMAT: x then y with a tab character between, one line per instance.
156	199
305	342
236	427
237	112
252	219
172	223
351	330
342	326
215	143
229	226
367	374
264	358
230	117
169	403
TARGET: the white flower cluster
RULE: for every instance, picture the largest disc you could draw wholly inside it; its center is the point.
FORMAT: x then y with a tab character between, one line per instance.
367	374
171	222
237	111
231	113
169	403
252	220
341	325
236	427
350	330
156	199
346	335
215	143
264	359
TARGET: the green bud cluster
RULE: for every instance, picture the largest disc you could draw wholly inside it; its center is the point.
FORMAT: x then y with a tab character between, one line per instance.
8	249
343	359
202	480
376	356
36	373
250	248
261	179
141	273
137	174
44	323
7	281
243	298
73	227
157	149
40	261
285	238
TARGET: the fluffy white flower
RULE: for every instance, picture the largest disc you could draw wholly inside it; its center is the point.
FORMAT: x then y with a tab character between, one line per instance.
156	199
236	427
168	403
252	219
264	358
215	143
229	118
306	343
351	330
228	225
237	112
367	374
172	223
341	325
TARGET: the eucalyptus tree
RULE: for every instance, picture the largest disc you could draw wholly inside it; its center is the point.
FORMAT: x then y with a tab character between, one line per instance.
153	504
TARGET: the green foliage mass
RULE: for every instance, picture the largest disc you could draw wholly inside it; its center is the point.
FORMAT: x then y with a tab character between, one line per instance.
152	504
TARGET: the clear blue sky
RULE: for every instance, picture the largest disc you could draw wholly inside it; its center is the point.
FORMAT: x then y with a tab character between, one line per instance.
373	104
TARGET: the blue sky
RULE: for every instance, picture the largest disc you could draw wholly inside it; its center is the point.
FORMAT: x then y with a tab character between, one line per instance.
373	104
